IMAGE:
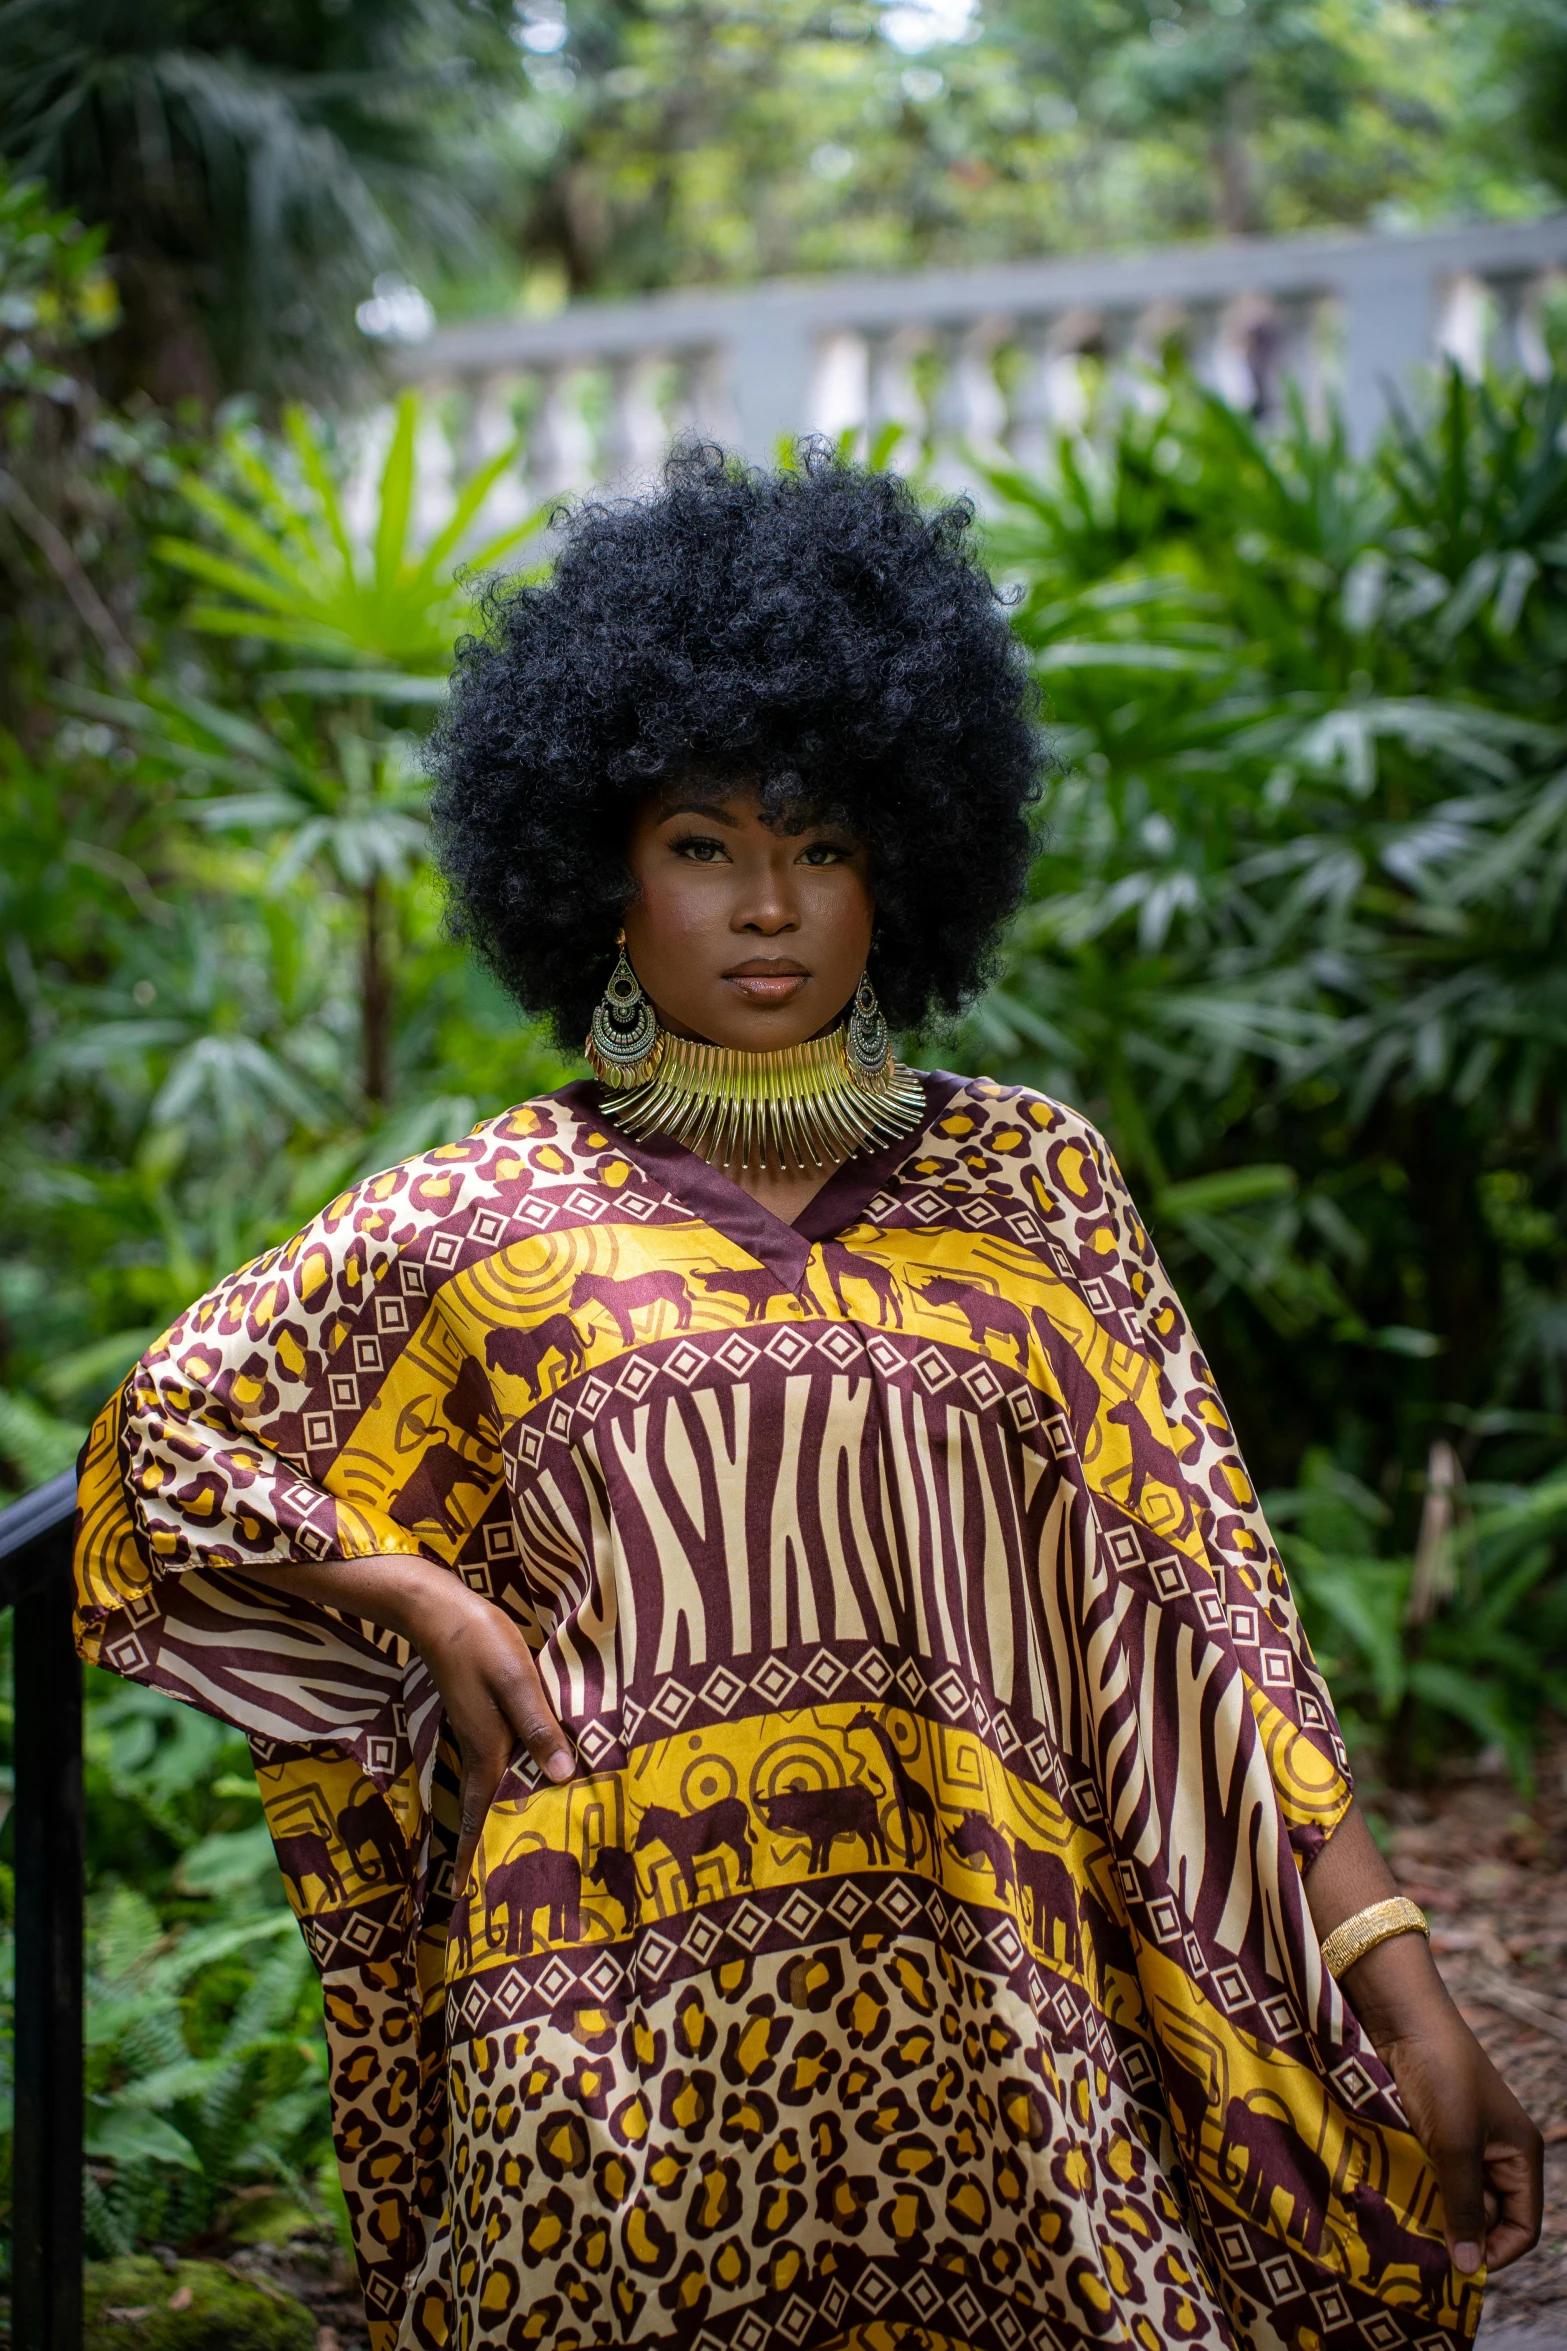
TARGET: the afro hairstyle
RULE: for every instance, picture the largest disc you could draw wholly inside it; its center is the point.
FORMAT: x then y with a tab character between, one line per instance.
813	633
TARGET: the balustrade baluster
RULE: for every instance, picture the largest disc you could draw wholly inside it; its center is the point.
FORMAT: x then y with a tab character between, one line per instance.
560	447
1297	357
487	420
890	394
749	360
1030	426
1517	338
1463	322
968	412
703	404
636	436
839	395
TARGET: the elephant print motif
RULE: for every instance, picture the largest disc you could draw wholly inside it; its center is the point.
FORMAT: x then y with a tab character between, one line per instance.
368	1822
306	1854
524	1883
977	1839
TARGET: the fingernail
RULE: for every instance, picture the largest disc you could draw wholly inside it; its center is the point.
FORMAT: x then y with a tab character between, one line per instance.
558	1766
1466	2256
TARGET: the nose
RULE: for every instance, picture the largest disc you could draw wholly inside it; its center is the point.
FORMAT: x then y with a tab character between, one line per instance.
766	906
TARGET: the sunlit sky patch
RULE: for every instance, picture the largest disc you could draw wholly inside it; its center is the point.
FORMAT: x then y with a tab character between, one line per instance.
921	24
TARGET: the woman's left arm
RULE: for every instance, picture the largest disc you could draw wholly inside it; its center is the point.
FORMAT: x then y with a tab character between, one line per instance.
1487	2154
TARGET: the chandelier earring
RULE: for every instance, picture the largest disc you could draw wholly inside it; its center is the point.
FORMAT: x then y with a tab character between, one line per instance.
623	1040
867	1046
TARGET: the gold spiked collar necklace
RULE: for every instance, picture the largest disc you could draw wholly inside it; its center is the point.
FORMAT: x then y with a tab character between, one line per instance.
805	1107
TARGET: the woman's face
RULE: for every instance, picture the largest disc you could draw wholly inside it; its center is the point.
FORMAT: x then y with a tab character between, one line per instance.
743	934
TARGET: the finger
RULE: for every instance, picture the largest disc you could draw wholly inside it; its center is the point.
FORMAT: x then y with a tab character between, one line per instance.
1462	2180
532	1717
482	1774
1515	2178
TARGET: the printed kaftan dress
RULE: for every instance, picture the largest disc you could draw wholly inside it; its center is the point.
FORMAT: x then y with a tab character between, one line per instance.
920	1953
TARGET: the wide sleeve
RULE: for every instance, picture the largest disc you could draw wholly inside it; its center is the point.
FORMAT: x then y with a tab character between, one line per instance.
1247	1605
312	1406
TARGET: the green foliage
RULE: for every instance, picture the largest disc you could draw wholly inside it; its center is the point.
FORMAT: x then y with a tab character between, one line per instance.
689	140
57	293
1489	1657
1250	114
1295	935
281	565
188	2094
230	992
1529	76
77	484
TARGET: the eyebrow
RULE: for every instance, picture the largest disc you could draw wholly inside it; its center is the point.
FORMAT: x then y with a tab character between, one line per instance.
712	808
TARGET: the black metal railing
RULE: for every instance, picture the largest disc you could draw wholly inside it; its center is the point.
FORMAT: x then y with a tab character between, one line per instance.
46	2165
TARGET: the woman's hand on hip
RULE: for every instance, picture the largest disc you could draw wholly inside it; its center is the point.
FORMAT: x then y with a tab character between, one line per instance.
491	1691
477	1657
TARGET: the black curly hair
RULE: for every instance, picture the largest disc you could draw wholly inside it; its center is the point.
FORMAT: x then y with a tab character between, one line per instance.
813	632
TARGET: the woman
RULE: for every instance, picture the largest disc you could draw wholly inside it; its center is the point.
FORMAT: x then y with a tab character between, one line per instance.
777	1706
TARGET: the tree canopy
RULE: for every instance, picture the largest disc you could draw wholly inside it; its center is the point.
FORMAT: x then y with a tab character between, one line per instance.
262	173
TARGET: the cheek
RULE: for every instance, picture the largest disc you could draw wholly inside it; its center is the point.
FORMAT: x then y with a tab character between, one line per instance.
676	902
840	907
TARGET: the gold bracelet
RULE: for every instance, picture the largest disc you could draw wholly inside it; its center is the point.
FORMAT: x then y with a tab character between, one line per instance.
1362	1933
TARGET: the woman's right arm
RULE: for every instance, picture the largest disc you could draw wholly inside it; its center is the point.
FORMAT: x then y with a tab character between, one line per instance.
476	1655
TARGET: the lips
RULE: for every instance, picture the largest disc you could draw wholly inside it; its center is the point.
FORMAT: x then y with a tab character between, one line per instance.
764	982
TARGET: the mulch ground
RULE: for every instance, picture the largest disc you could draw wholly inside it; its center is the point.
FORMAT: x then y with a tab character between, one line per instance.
1490	1870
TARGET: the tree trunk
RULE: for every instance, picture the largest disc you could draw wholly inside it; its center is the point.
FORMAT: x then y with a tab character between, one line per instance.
375	997
1235	195
161	348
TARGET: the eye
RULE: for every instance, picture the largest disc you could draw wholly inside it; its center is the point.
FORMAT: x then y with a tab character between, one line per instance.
826	853
700	849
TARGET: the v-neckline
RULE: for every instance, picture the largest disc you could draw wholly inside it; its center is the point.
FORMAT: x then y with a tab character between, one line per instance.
785	1249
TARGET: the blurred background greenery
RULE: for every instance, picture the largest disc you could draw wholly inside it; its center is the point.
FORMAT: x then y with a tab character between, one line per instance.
1296	930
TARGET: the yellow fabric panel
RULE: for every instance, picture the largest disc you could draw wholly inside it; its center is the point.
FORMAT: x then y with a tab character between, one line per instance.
111	1570
1239	2069
766	1754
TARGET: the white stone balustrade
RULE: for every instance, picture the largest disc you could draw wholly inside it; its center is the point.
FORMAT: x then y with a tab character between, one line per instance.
991	360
